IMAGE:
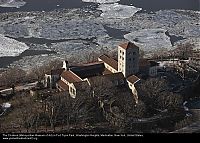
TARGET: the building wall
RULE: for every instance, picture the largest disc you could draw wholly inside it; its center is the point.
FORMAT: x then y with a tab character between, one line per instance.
133	89
110	68
50	80
64	81
47	81
72	91
128	61
153	71
107	66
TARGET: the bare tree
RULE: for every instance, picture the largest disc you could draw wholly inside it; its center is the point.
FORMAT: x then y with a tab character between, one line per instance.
154	92
38	72
12	76
185	50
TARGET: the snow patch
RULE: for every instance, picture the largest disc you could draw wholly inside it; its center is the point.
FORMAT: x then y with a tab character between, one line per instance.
117	10
11	47
150	39
6	105
101	1
12	3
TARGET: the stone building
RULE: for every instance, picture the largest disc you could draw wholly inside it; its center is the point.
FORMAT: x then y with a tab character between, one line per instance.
80	78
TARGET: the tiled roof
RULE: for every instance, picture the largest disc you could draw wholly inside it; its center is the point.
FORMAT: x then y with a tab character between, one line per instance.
110	61
63	85
128	45
70	76
106	71
133	79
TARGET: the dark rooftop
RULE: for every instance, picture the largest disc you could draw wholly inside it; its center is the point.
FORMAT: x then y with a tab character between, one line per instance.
88	70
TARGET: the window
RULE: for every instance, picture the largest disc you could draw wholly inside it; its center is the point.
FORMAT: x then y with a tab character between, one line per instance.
129	59
122	53
133	59
73	91
122	58
133	53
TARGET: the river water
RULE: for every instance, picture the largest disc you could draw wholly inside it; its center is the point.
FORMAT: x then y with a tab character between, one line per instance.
48	5
147	5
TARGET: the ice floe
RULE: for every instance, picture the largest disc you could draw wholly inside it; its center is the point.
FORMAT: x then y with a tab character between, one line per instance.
117	10
101	1
150	39
11	47
12	3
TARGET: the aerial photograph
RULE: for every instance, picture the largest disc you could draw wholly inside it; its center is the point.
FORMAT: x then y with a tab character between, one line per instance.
99	67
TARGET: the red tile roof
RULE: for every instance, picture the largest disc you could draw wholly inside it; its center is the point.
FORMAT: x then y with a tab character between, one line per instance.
106	71
128	45
63	85
70	77
110	61
133	79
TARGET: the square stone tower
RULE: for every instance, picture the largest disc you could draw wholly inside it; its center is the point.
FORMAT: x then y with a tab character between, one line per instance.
128	59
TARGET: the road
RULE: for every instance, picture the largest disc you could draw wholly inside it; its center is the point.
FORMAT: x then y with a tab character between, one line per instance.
20	87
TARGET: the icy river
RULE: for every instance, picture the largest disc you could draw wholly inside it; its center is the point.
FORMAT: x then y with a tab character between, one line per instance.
35	31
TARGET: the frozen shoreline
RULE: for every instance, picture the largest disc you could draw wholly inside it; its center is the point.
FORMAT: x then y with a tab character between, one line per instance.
11	47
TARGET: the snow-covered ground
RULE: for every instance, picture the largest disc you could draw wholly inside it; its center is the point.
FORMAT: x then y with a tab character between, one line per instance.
101	1
12	3
117	10
150	39
11	47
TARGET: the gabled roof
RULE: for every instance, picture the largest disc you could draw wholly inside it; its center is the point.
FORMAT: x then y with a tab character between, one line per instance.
70	76
128	45
110	61
106	71
63	85
133	79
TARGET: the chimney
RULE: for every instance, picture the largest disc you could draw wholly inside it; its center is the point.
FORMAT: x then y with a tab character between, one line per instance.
65	65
